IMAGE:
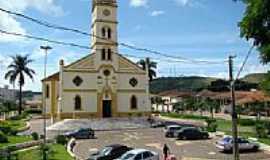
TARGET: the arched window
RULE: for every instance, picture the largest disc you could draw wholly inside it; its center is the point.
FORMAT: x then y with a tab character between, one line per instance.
103	32
109	54
47	91
133	102
78	103
103	54
109	33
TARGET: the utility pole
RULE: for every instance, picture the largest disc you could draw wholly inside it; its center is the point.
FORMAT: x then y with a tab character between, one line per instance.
233	112
147	61
45	48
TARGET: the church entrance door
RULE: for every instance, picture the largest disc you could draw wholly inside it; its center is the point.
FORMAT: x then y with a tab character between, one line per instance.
107	108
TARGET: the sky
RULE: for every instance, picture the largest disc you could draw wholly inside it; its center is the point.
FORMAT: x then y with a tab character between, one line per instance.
195	29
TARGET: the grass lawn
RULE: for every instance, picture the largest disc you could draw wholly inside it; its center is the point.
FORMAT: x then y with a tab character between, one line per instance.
58	153
16	139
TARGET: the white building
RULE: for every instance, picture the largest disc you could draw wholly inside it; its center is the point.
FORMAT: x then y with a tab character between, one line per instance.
101	84
7	94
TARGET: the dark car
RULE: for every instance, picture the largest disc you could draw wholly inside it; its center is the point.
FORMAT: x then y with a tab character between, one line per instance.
157	124
83	133
192	133
110	152
171	130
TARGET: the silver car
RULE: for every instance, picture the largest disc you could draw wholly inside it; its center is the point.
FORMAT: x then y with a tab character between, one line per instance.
226	144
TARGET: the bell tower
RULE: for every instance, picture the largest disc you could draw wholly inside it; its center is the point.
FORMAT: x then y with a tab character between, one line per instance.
104	27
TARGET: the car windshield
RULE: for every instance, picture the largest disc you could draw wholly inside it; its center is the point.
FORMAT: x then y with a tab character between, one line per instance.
175	128
106	151
227	139
128	156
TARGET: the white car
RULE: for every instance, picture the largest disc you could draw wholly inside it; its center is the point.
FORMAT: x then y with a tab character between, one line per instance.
226	144
140	154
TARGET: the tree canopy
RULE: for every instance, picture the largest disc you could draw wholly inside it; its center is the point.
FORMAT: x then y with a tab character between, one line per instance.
255	26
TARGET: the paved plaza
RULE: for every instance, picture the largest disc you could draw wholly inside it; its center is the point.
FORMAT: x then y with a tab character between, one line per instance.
154	139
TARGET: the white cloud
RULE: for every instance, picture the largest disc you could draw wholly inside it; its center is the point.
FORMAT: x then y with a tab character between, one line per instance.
11	24
138	3
182	2
157	13
190	3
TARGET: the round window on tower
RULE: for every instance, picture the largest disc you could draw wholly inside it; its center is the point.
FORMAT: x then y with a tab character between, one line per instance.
106	12
106	73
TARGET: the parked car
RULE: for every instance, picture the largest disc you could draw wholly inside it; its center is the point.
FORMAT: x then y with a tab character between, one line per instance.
83	133
110	152
171	130
226	144
158	124
140	154
192	133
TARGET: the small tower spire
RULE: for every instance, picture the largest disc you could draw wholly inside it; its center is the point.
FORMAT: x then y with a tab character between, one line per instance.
104	2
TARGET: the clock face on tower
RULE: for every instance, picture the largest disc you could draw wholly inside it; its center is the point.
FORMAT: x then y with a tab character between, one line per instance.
106	12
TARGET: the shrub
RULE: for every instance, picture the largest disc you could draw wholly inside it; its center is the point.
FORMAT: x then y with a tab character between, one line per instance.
261	130
35	136
211	125
5	129
41	136
61	139
3	138
247	122
34	111
267	126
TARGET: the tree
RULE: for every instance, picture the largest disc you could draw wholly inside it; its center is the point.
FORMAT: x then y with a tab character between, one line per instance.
255	25
265	83
212	105
17	71
257	107
151	67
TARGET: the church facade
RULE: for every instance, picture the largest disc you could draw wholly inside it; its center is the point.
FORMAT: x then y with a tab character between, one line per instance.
102	84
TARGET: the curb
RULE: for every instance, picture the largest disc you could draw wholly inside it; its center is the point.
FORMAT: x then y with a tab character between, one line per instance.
25	128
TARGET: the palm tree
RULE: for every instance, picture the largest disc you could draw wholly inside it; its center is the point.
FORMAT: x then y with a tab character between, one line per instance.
151	67
17	71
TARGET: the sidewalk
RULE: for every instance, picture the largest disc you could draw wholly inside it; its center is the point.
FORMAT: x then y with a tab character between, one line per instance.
185	121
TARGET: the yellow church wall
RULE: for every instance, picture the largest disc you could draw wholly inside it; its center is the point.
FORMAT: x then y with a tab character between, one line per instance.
89	80
123	99
123	81
88	101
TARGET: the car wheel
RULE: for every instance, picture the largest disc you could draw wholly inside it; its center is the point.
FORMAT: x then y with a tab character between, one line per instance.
184	138
205	137
255	148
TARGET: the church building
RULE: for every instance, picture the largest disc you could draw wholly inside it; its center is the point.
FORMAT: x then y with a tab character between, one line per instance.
102	84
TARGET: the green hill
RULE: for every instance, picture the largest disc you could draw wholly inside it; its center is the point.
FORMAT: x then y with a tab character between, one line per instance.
194	83
180	83
254	77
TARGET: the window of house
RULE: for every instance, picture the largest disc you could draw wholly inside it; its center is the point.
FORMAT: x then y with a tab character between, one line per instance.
103	54
109	54
47	91
78	103
133	102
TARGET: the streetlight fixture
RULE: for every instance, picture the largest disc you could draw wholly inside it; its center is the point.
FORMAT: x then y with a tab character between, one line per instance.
46	49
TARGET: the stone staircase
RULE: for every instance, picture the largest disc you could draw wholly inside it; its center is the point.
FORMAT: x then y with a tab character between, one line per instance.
100	124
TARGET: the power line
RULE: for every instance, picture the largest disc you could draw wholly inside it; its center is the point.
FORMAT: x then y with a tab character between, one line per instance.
80	46
44	39
244	62
54	26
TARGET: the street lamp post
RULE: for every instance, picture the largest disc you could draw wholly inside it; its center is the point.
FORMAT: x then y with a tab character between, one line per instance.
46	49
